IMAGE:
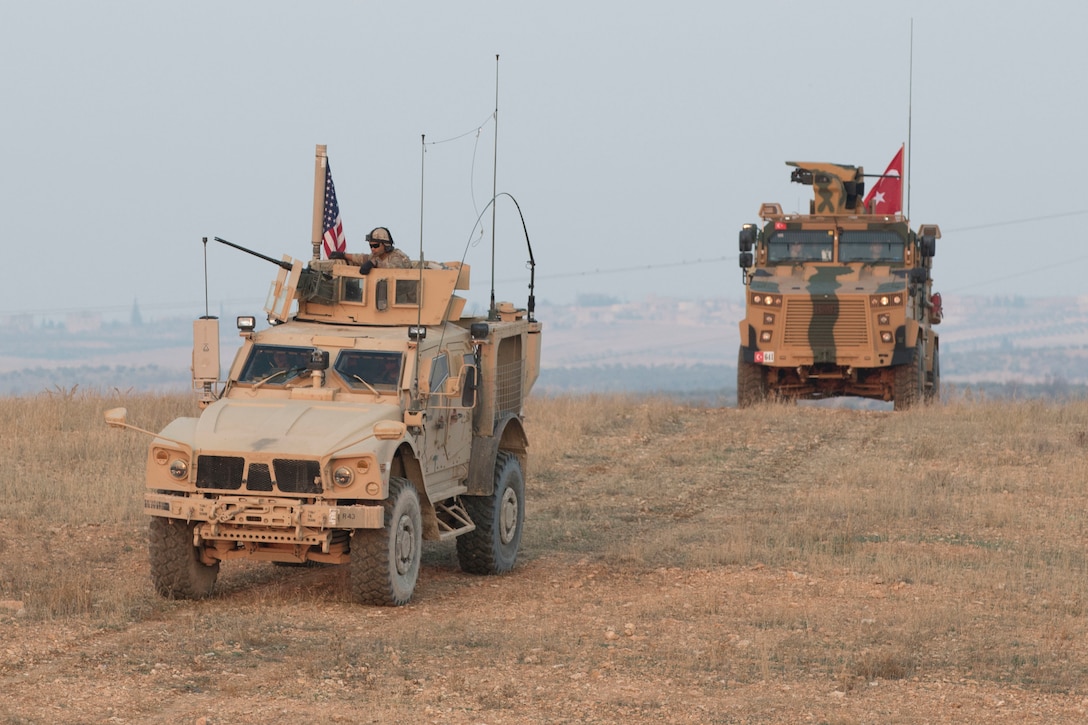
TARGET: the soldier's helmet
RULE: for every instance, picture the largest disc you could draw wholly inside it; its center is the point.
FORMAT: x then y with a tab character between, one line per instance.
380	234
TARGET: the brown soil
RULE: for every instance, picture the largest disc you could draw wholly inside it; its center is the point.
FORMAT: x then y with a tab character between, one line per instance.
603	620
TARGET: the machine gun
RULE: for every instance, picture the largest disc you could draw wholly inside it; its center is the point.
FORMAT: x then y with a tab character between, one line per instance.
312	285
280	262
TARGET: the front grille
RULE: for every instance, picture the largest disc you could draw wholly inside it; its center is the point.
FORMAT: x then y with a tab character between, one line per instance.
259	479
294	476
220	472
225	473
826	323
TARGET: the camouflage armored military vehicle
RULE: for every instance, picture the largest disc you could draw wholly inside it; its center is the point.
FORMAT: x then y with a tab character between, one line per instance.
838	301
369	417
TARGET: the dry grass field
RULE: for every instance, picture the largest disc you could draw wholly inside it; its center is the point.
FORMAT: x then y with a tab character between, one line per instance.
681	564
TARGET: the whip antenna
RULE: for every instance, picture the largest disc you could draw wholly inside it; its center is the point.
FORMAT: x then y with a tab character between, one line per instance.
494	187
910	100
206	312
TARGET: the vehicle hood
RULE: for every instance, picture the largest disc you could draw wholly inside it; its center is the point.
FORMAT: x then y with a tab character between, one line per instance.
291	427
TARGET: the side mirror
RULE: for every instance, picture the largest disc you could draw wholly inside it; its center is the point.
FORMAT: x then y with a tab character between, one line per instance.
116	417
747	237
468	390
746	260
928	246
919	275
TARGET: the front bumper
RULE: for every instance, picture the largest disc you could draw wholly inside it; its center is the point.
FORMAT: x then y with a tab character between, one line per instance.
264	519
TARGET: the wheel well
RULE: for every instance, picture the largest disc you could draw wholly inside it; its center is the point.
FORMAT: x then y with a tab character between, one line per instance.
406	465
509	435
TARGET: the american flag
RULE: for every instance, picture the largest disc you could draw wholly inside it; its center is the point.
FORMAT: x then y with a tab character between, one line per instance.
333	238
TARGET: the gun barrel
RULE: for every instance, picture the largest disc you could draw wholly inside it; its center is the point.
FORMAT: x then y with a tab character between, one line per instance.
266	258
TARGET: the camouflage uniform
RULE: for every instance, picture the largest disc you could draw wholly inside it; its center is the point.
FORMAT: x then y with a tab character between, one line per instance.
386	256
393	259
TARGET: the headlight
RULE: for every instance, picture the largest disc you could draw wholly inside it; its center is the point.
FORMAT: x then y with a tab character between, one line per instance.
885	336
884	318
765	336
766	300
179	469
885	300
343	476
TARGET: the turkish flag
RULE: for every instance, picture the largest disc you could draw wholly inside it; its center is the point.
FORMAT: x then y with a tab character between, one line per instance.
886	196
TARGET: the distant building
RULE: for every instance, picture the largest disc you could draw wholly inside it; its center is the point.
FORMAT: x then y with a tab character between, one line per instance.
17	323
83	321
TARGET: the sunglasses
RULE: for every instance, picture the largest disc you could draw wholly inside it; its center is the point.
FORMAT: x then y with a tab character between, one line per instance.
375	245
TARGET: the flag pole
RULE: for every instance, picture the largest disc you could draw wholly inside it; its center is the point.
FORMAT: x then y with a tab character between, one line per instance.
321	161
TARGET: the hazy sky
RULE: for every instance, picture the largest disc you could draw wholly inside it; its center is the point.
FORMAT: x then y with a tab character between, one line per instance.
637	137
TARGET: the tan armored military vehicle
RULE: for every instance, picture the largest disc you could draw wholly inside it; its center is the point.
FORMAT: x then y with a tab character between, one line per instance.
838	301
368	418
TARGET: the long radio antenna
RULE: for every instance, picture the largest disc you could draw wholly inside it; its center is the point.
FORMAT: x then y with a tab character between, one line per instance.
207	313
492	314
910	108
422	169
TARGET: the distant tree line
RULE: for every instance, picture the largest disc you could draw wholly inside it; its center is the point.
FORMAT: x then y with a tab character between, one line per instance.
710	384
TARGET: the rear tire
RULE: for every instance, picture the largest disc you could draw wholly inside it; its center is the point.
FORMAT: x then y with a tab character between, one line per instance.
751	384
909	381
385	562
492	547
176	568
933	390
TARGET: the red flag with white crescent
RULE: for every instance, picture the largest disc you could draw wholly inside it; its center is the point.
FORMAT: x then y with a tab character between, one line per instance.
886	196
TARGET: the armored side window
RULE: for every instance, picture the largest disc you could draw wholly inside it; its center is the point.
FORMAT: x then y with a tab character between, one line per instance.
275	364
406	292
360	368
354	289
871	245
797	245
440	371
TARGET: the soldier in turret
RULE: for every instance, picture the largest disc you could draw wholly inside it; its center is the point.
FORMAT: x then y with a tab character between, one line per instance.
382	253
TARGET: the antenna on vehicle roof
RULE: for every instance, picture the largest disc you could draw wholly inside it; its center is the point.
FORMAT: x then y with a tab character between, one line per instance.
910	99
206	313
493	313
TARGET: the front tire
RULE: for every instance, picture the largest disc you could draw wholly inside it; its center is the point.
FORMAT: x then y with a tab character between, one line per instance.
910	381
751	384
176	568
492	547
385	562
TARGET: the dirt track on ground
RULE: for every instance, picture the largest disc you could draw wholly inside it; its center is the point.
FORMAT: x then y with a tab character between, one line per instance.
633	602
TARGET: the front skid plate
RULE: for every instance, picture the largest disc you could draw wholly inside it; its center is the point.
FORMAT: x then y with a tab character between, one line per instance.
240	513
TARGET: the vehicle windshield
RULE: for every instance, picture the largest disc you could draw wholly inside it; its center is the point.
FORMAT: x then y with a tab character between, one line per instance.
796	245
275	364
870	246
368	368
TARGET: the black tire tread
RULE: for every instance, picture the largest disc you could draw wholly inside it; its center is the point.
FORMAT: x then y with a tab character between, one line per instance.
479	551
908	382
176	569
751	388
372	578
